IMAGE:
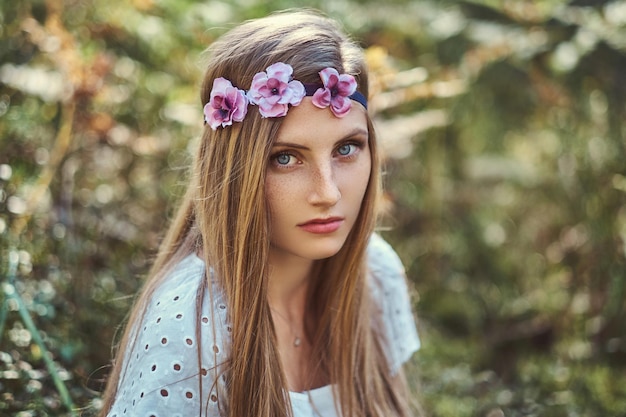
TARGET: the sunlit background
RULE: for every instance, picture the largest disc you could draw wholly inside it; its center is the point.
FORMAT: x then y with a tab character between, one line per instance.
502	125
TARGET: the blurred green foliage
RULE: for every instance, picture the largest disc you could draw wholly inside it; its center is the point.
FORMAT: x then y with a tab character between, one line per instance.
503	127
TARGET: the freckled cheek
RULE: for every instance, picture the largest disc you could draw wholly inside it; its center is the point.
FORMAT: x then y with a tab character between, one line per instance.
279	192
364	181
355	180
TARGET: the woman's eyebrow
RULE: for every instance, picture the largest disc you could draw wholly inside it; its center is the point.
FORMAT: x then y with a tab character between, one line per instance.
291	145
355	132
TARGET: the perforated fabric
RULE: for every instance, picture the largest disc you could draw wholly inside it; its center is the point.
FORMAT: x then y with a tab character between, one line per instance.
161	373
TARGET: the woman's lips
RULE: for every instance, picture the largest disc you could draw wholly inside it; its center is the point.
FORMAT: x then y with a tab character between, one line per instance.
322	226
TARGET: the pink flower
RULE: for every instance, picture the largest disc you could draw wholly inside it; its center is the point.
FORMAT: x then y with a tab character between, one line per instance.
273	91
336	92
228	104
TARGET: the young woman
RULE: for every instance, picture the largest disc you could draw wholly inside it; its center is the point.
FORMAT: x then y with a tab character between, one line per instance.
271	296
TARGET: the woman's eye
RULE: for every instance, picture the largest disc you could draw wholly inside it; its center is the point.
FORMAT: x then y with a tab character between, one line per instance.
345	150
284	159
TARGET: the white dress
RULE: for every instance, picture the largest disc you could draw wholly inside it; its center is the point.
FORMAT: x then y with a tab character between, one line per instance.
160	374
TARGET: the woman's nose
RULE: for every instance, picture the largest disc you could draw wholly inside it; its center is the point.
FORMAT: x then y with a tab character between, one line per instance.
324	188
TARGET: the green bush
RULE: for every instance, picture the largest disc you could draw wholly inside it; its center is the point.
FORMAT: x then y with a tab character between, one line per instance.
502	127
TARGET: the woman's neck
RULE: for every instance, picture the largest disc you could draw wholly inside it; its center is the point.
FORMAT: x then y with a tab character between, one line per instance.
289	285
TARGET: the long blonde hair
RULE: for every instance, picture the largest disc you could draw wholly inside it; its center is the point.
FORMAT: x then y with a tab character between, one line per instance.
224	216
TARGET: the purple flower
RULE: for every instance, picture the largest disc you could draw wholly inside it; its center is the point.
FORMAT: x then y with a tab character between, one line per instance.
228	104
274	90
336	92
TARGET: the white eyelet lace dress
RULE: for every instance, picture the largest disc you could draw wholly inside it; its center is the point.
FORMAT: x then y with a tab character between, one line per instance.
161	376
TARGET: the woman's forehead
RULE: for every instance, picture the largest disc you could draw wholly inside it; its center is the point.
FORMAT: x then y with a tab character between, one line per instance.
307	122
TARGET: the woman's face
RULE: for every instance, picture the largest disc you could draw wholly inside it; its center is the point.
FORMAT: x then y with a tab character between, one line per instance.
316	178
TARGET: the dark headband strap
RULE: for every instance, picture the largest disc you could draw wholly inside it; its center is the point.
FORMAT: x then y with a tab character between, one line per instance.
356	96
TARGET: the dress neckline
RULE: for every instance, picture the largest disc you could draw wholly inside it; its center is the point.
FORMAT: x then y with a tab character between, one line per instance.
312	393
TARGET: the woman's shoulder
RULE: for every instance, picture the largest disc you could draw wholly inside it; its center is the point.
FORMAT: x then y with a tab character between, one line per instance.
382	258
166	368
179	281
391	294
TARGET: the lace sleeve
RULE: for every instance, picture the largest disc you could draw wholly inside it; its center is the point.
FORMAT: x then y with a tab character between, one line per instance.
390	292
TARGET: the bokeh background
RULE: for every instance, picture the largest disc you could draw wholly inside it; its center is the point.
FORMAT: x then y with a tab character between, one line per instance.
503	130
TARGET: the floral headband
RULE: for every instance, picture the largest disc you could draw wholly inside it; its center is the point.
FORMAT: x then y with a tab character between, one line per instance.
274	90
